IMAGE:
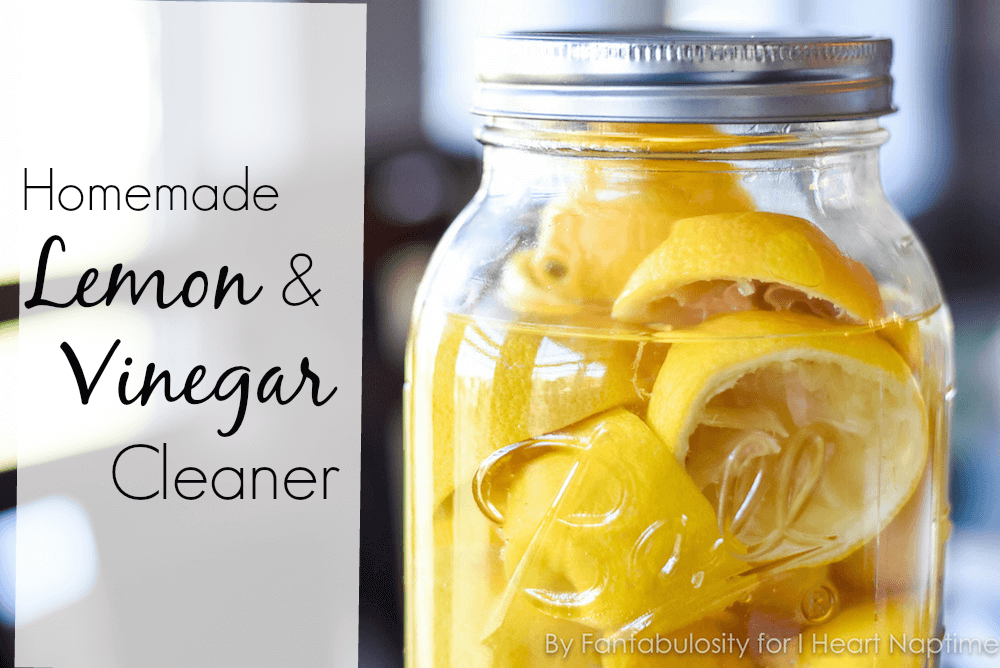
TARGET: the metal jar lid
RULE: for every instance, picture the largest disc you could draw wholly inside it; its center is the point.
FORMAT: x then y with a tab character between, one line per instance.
676	76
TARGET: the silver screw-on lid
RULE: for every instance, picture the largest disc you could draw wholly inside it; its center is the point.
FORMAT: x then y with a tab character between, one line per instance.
679	76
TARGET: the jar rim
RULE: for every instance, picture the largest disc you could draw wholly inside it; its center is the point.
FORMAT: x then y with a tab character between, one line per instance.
665	75
672	141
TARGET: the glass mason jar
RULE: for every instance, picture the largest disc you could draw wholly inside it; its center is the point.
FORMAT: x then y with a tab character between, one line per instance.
678	384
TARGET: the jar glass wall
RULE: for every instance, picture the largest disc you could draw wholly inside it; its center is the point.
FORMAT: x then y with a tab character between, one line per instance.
677	394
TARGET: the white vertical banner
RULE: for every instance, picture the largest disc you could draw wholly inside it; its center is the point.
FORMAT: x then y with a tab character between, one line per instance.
183	183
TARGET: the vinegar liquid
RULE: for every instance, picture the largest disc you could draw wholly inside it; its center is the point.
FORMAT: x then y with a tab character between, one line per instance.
626	497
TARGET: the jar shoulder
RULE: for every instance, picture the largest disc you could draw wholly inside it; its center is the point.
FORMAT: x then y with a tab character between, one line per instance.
560	247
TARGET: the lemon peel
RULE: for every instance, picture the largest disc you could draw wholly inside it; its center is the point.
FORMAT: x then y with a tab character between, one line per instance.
857	430
606	529
720	263
590	239
494	385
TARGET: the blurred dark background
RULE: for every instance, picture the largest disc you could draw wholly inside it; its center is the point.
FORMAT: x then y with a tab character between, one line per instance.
942	169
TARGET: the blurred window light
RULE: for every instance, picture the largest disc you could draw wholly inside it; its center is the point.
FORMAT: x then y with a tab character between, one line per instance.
734	15
972	593
989	373
450	27
9	404
8	560
52	544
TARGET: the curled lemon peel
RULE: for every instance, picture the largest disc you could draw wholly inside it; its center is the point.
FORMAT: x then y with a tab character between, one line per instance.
612	215
606	529
721	263
853	429
494	385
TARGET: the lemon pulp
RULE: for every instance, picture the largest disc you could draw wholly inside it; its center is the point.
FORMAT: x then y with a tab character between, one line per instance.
808	444
726	262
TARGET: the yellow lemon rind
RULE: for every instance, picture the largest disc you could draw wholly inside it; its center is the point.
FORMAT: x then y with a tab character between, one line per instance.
695	372
758	246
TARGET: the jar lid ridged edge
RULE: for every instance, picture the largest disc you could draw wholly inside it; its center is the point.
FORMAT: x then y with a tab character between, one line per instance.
669	74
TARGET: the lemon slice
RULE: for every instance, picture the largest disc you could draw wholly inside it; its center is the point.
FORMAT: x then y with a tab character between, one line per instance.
606	529
494	385
590	240
807	440
725	263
